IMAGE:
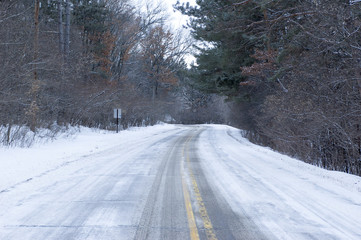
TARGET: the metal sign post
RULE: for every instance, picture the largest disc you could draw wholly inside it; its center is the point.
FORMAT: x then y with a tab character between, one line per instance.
117	115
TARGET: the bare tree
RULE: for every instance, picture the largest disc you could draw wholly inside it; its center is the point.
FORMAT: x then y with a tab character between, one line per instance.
67	27
35	85
61	28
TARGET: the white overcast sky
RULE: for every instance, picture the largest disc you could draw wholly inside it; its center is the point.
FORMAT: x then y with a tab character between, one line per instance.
176	18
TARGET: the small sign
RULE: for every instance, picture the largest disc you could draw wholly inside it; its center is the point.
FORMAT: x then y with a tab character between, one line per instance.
117	113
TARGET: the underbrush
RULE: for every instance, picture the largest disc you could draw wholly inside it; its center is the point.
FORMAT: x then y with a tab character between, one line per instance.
22	136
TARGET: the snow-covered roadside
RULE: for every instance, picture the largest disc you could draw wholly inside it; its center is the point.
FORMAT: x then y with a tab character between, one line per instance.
20	164
284	196
345	180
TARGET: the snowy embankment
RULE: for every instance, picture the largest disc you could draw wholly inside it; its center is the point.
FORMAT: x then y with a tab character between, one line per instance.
292	165
288	198
18	164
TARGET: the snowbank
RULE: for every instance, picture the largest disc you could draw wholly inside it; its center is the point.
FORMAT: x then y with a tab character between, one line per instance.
19	164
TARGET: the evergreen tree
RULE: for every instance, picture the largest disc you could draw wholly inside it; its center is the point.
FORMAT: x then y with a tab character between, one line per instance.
226	46
93	18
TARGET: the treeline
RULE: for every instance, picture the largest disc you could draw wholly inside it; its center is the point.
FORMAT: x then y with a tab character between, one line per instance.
292	68
72	61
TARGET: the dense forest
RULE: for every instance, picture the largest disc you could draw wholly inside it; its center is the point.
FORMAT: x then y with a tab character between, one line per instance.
71	62
293	67
288	72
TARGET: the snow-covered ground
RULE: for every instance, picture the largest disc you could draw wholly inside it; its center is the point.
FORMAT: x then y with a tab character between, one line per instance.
287	198
290	198
19	164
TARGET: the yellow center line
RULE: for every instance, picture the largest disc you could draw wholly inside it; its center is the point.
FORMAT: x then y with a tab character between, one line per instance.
187	200
202	208
191	221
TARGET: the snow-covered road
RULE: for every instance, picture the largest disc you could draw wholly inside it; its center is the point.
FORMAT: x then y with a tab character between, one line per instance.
289	198
171	182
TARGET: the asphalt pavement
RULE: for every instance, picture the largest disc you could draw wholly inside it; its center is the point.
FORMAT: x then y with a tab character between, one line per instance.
154	188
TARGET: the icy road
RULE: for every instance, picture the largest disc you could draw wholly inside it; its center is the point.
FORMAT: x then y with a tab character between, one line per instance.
179	182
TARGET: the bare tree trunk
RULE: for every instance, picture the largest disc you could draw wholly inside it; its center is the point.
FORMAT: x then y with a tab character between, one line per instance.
8	134
154	91
61	29
36	38
357	72
33	110
67	27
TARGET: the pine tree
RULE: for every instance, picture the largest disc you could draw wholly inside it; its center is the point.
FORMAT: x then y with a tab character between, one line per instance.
93	18
227	47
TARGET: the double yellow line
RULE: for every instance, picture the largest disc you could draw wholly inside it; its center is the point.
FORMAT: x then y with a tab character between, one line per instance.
202	208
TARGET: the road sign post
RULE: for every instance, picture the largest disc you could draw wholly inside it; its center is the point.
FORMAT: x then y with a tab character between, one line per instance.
117	115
